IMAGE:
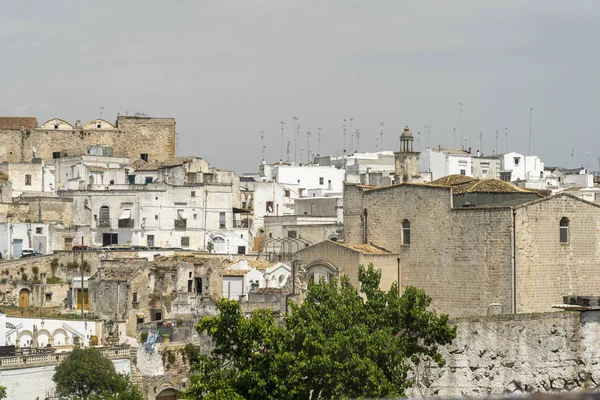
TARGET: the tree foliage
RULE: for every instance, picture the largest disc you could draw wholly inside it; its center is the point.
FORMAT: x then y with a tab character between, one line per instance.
339	343
87	374
2	392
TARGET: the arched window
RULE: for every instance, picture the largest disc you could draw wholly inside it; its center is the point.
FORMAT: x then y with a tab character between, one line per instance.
564	230
104	219
405	232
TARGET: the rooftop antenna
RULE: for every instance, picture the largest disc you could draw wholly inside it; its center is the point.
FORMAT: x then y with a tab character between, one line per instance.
301	153
465	148
428	127
282	124
344	129
418	141
454	142
357	140
101	110
297	130
288	151
376	144
506	140
587	153
598	163
319	141
530	115
496	141
461	124
307	146
573	157
262	142
481	142
381	135
351	142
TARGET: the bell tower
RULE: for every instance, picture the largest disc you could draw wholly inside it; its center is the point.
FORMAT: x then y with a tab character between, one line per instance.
407	160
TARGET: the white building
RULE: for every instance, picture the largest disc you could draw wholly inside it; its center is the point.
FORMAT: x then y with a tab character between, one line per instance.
298	180
518	167
247	275
443	162
39	332
375	169
28	177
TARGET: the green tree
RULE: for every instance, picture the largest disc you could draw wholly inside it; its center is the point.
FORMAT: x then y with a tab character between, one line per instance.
2	392
87	374
339	343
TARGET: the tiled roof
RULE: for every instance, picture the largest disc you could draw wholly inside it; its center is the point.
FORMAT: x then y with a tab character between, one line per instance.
260	264
453	180
465	184
172	162
364	248
18	122
151	166
138	163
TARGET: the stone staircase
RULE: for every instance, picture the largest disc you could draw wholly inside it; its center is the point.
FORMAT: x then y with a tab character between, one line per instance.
136	376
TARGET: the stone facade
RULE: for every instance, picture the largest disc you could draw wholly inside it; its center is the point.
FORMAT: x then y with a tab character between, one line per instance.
129	137
464	257
552	352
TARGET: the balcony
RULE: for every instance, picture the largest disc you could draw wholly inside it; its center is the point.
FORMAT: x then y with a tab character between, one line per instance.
104	223
180	224
126	223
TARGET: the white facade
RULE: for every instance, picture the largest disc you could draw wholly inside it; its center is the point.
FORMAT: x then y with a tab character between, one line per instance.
240	278
56	332
444	162
76	173
299	179
521	167
25	177
263	199
15	237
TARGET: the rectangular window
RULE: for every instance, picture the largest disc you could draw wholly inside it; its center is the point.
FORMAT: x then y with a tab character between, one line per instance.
292	234
135	298
321	180
463	172
148	179
131	179
287	192
150	240
190	285
48	296
191	177
39	231
27	180
144	156
269	206
55	155
156	217
185	241
198	285
517	160
193	193
195	216
221	220
241	250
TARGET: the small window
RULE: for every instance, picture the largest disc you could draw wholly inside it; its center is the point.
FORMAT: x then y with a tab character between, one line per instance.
241	250
135	298
55	155
185	241
564	230
292	234
144	156
39	231
190	285
156	217
55	126
463	172
406	232
48	296
195	216
517	160
222	220
112	182
321	180
193	193
148	179
287	192
27	180
269	206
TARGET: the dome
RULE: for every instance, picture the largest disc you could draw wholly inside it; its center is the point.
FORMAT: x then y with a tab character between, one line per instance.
406	134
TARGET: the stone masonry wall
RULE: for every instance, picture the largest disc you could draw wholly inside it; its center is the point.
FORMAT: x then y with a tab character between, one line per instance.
517	354
548	269
460	257
132	137
353	211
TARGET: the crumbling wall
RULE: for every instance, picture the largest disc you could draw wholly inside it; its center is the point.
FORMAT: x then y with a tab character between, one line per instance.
517	354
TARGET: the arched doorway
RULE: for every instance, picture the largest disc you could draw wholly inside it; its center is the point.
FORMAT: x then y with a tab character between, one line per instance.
24	298
168	394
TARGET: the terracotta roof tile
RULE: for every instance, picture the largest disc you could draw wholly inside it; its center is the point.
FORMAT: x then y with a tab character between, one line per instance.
18	122
365	248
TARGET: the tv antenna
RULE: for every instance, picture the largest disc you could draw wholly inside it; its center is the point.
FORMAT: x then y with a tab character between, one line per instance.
454	142
428	127
101	110
282	124
587	153
506	140
296	139
288	151
351	136
308	134
496	141
344	132
381	124
481	142
530	116
418	141
319	141
358	140
262	142
461	119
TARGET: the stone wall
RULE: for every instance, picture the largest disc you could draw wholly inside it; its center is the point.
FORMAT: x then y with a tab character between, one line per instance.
548	269
131	137
517	354
353	213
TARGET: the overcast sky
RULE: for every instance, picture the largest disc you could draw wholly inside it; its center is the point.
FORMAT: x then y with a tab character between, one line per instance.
225	69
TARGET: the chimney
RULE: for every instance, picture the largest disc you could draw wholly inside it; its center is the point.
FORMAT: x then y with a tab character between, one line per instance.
478	154
469	150
439	147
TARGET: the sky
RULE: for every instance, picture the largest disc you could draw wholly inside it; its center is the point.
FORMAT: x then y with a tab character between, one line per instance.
227	69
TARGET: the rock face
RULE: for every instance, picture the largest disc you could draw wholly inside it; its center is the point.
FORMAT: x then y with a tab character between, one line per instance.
551	352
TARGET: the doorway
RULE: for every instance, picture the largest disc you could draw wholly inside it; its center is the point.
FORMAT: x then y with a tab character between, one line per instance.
168	394
17	247
109	239
24	298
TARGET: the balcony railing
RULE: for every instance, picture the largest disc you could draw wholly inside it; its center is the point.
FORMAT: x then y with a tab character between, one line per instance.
104	223
180	224
126	223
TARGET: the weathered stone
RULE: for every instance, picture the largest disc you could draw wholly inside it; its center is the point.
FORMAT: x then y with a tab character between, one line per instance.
558	383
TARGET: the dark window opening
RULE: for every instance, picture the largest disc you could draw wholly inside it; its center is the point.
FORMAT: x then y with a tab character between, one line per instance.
135	298
144	156
185	241
406	232
222	220
292	234
564	230
28	180
241	250
148	179
198	282
48	296
190	285
193	193
39	231
269	206
55	155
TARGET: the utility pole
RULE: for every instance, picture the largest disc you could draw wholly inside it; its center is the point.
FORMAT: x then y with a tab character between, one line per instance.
288	151
296	139
418	141
358	140
506	140
381	135
481	142
319	149
351	137
530	116
282	124
454	142
465	148
587	153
